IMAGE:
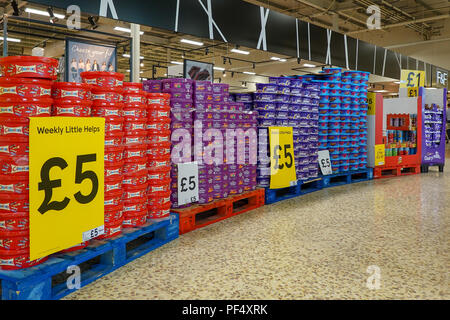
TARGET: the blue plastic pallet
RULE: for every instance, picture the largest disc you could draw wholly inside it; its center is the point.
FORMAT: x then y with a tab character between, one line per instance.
40	282
340	179
302	188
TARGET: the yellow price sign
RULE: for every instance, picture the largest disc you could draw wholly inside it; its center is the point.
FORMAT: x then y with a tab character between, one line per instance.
412	78
413	92
380	155
371	100
66	183
282	161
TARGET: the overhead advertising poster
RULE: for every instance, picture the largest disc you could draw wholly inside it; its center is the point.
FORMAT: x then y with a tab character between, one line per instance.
197	70
84	56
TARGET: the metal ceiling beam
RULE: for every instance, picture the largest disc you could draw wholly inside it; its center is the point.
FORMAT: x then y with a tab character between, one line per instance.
400	24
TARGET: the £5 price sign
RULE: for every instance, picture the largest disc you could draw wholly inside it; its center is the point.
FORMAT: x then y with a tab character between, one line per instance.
187	183
66	183
282	161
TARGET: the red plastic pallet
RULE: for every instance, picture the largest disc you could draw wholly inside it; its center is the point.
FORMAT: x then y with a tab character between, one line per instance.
390	172
199	216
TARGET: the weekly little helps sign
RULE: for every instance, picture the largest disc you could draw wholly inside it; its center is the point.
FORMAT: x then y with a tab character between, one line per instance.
66	183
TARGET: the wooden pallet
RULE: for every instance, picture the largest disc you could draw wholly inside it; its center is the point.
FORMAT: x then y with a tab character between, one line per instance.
391	172
199	216
349	177
302	188
48	281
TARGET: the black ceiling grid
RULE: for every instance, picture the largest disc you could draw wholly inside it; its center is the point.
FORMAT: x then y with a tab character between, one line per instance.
240	23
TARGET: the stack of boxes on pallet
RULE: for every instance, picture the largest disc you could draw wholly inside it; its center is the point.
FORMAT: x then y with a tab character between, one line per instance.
158	155
135	155
287	102
107	96
343	118
25	89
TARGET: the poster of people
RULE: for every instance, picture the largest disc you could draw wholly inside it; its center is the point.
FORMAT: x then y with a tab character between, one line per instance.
87	56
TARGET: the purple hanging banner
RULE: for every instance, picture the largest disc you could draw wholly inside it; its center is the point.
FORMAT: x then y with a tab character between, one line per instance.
434	107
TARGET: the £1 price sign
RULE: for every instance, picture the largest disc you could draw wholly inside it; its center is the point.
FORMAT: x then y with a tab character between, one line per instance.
412	78
66	183
282	161
187	183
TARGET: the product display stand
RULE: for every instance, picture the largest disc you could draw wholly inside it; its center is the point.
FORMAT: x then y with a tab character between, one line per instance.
433	128
396	127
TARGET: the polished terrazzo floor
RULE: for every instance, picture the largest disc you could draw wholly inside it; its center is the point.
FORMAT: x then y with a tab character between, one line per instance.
318	246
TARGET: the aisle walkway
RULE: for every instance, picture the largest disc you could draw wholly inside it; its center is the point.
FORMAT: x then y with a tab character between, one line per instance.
315	247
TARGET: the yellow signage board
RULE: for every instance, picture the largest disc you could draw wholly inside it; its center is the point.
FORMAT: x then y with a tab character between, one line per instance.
282	161
380	155
66	182
371	100
413	92
412	78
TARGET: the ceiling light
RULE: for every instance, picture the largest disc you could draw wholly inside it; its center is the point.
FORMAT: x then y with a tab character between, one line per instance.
126	55
275	58
126	30
195	43
44	13
308	65
283	60
251	73
13	39
240	51
128	71
142	64
176	62
397	82
224	74
219	68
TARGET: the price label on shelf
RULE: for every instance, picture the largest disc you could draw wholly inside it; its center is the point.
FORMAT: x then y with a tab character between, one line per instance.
325	162
66	182
413	92
282	161
187	183
371	100
380	155
412	78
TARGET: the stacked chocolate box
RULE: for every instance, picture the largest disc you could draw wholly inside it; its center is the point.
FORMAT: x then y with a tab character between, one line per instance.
288	102
107	88
181	106
25	88
72	99
159	155
135	182
246	99
152	86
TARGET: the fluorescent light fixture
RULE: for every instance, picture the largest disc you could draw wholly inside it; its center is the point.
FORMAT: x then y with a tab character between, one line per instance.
308	65
251	73
275	59
397	82
432	88
128	71
176	62
13	40
43	13
219	68
380	91
195	43
239	51
126	55
283	60
125	30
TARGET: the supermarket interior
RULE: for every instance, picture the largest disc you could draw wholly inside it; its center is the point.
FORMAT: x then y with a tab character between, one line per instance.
253	150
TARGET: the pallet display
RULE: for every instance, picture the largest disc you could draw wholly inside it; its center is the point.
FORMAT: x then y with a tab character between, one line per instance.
302	188
199	216
48	281
395	124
